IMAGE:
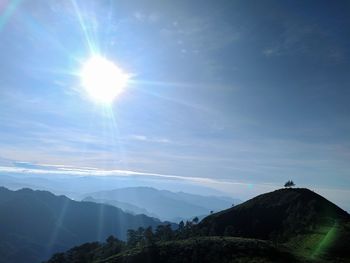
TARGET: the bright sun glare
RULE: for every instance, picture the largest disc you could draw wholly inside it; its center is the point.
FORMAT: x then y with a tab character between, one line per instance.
102	79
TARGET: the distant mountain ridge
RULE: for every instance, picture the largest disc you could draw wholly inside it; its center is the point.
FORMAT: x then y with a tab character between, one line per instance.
34	224
75	186
126	207
166	205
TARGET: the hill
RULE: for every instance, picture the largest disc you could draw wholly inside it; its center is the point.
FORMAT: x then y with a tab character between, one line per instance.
163	204
279	214
34	224
310	225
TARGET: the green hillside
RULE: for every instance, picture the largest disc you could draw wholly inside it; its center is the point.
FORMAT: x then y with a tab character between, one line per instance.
199	249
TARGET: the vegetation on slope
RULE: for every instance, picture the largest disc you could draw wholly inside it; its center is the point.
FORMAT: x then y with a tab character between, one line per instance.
198	249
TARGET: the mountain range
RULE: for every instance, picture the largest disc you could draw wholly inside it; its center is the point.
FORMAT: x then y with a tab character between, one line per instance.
163	204
34	224
76	186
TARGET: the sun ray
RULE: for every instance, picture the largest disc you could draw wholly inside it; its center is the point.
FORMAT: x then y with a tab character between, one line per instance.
57	227
91	44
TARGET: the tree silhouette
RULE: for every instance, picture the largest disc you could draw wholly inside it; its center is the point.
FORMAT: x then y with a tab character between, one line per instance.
149	236
132	239
181	225
289	184
111	239
164	232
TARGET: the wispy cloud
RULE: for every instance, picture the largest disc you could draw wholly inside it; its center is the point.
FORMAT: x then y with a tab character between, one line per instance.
271	51
19	167
146	17
58	169
144	138
306	39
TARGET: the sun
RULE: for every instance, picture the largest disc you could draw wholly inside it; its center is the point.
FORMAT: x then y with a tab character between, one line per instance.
102	79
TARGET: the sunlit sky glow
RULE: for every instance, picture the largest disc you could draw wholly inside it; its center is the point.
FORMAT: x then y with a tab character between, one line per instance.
255	93
102	79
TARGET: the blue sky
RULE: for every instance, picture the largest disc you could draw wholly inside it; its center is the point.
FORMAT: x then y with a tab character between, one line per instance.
234	91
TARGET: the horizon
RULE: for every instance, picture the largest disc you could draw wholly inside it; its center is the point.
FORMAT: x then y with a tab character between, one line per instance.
230	96
116	179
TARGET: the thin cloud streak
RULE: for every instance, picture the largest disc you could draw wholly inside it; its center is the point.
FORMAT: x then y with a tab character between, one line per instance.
88	171
144	138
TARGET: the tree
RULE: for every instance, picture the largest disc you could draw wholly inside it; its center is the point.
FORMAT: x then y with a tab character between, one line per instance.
112	247
195	220
289	184
111	239
135	237
181	231
132	239
164	232
140	232
149	236
181	225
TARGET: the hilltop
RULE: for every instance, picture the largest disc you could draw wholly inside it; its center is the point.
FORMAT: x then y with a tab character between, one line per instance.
279	214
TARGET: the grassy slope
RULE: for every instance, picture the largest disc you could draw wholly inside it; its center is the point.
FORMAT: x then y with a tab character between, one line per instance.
327	243
206	249
319	246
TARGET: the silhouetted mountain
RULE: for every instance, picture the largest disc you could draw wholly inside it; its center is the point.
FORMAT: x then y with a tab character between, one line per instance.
278	214
307	223
164	204
34	224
